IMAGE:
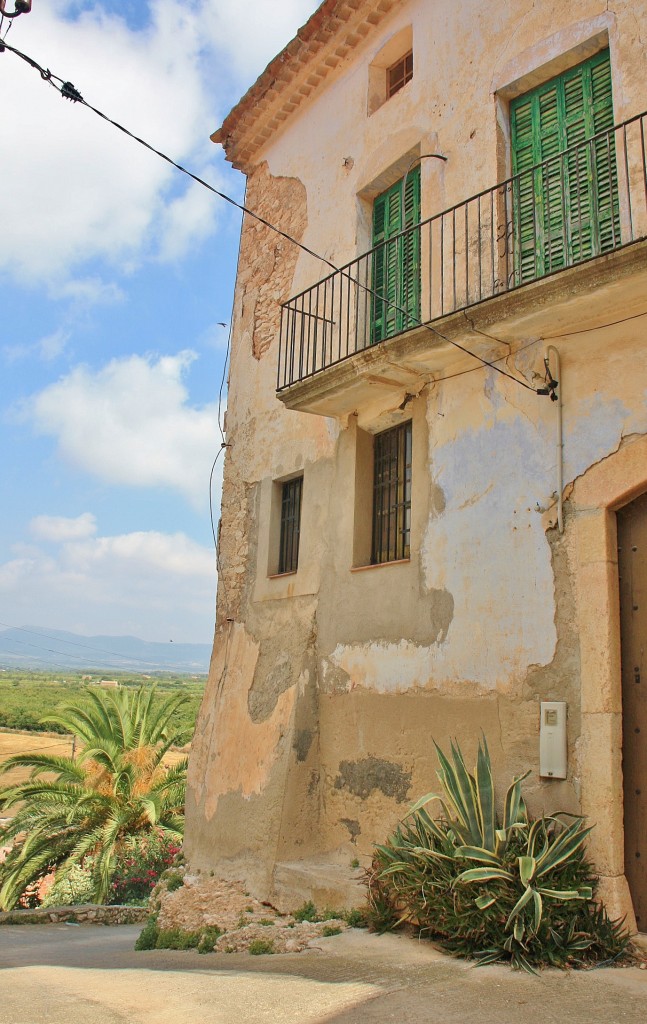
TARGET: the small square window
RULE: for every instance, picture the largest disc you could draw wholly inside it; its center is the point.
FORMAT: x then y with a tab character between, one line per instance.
290	528
399	74
391	534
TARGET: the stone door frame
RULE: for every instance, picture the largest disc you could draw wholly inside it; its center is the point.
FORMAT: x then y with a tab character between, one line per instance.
595	498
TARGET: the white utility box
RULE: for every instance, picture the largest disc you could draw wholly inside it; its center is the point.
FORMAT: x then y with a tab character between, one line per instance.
552	739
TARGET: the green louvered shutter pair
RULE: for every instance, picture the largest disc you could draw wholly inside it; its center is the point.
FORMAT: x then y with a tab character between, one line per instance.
396	258
566	210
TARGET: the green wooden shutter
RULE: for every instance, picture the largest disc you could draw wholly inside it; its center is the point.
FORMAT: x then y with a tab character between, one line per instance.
410	272
566	210
396	258
607	221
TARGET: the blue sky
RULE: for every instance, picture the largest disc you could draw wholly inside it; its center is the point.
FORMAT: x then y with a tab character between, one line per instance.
115	272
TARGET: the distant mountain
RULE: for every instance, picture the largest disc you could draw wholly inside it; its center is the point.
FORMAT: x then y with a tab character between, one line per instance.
39	647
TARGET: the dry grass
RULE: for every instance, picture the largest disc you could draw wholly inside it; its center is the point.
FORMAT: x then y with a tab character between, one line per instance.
28	742
48	743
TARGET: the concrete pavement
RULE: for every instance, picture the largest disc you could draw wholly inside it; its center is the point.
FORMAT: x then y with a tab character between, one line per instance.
61	974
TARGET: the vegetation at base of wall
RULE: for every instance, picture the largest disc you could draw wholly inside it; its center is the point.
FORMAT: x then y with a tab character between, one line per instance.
260	946
24	694
148	935
154	937
516	890
208	938
174	880
176	938
91	807
306	912
355	918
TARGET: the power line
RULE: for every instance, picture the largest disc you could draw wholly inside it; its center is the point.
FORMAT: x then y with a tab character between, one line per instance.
599	327
73	643
39	647
68	91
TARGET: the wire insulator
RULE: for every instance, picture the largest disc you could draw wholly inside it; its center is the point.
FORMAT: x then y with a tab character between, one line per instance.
68	92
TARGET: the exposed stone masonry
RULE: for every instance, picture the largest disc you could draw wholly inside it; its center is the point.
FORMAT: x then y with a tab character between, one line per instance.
267	260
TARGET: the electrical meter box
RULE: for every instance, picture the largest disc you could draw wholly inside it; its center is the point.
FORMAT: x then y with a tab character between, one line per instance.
552	739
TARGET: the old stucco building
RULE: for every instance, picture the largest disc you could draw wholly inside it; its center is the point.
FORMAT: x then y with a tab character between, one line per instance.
415	542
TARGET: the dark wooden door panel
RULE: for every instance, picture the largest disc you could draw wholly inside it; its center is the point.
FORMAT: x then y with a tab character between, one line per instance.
632	562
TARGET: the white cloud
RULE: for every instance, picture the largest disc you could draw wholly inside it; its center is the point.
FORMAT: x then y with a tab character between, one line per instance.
154	585
47	349
87	291
80	189
251	34
53	345
63	528
130	423
215	337
185	221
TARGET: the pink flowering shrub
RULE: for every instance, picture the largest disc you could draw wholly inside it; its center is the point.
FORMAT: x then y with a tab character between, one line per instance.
139	867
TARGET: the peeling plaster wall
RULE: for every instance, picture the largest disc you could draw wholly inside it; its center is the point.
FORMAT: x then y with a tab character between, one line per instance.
327	686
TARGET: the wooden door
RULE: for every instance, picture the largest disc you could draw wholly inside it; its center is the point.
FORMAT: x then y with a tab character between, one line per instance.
632	562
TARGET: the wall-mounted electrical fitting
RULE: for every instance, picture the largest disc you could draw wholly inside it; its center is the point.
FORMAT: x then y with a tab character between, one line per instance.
552	739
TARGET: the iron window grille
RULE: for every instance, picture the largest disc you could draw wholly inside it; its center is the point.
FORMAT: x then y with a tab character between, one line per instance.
291	492
392	495
399	74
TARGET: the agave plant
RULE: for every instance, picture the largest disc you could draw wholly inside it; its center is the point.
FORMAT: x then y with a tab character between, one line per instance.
529	899
88	806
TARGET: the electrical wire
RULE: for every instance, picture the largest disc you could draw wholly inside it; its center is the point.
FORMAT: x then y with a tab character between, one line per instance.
499	359
7	730
600	327
50	650
74	643
68	91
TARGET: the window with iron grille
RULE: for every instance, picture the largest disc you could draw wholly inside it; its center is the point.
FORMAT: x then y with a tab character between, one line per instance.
291	492
399	74
392	495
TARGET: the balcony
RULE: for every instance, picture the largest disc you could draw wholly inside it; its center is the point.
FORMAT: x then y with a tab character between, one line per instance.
400	310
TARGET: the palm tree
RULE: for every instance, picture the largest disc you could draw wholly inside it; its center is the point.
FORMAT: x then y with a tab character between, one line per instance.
92	803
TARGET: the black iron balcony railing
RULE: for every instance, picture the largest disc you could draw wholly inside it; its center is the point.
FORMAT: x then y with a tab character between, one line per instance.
586	201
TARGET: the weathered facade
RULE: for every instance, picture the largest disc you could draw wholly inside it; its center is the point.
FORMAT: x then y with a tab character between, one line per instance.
409	547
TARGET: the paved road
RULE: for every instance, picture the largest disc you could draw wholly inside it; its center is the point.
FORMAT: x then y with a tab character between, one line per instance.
61	974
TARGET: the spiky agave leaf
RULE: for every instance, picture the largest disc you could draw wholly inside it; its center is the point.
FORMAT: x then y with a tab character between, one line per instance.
528	901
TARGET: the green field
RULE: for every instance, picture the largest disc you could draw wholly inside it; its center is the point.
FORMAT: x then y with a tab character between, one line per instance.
27	696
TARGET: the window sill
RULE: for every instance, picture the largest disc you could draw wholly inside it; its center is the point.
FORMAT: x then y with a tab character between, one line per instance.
282	575
380	565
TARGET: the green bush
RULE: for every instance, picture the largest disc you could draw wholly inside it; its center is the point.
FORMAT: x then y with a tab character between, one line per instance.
76	888
208	938
147	938
176	938
356	918
259	946
330	929
307	912
517	890
154	937
174	880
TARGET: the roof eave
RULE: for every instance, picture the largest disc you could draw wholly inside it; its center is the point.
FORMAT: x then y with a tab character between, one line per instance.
334	29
